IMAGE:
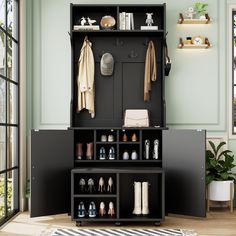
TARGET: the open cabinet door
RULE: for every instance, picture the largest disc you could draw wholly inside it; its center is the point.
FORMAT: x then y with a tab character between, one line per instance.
184	165
51	161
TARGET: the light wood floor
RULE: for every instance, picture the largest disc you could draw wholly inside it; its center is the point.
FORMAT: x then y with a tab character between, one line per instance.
219	222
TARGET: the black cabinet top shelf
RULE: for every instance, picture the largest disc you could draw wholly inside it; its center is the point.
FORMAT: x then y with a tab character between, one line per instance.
118	128
112	32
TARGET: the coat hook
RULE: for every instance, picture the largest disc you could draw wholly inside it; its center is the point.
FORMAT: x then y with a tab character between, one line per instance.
145	43
133	54
119	42
102	52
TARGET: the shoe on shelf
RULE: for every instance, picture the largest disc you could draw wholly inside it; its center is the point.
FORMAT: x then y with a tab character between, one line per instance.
111	211
102	154
82	185
101	185
112	154
124	137
134	155
110	138
91	187
155	149
102	210
79	151
134	138
89	152
81	210
103	138
110	186
125	155
92	212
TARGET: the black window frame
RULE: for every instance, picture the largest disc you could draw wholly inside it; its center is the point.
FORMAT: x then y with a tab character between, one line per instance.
7	124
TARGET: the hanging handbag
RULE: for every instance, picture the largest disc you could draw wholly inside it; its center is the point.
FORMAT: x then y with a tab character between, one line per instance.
167	58
136	118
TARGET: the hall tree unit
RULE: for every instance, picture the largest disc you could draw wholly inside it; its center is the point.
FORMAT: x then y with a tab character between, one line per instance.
177	178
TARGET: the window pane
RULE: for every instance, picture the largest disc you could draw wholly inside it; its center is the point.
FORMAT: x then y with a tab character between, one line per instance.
12	58
2	53
12	147
12	17
2	101
2	13
12	190
12	104
2	195
2	148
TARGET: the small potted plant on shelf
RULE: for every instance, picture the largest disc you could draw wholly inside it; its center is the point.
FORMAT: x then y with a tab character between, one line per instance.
219	175
200	8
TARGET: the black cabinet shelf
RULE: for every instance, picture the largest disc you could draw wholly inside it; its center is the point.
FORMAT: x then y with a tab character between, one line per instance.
120	161
106	143
114	32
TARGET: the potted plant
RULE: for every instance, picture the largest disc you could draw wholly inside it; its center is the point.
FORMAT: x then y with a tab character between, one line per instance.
201	9
219	175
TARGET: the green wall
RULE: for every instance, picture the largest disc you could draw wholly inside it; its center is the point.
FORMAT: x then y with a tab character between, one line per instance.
196	90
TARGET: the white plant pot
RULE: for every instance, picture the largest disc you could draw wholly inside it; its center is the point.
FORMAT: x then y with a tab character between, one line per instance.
220	190
202	17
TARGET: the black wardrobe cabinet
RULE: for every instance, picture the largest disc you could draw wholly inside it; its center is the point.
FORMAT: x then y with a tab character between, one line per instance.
176	178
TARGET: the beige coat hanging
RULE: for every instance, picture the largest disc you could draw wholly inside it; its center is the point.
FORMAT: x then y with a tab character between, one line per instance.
85	80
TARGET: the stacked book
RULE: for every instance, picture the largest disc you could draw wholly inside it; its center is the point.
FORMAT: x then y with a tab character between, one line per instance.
86	27
126	21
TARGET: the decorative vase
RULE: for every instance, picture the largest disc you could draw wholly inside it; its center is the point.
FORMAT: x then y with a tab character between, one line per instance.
220	190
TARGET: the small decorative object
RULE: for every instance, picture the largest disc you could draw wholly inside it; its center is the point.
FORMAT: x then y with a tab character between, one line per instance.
198	40
136	118
83	21
147	148
91	187
101	185
111	210
134	155
110	185
134	138
188	40
103	138
112	155
110	138
107	64
90	22
155	149
108	22
102	210
201	9
125	156
190	12
219	175
149	22
124	137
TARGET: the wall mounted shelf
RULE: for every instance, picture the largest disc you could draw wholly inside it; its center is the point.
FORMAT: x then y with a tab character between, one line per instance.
182	20
206	45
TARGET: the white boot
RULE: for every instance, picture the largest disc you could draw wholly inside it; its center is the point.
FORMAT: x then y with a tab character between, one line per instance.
145	208
137	198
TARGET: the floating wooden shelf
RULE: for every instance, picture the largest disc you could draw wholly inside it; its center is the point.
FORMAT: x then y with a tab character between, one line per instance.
206	45
182	20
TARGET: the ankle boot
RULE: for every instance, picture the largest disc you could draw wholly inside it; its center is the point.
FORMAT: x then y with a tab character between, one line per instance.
145	208
89	152
110	185
79	151
137	198
147	147
155	149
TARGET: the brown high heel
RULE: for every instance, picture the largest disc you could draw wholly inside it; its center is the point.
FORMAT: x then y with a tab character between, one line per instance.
110	185
111	210
134	138
101	185
124	138
89	152
79	151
